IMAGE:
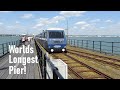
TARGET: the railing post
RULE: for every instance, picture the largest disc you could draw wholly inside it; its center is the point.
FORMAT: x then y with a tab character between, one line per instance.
12	42
100	46
54	74
3	48
77	43
44	58
86	43
93	45
7	47
9	43
16	43
74	42
19	42
112	47
42	64
71	42
82	43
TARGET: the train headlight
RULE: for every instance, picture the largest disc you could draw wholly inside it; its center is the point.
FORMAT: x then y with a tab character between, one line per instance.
63	49
52	50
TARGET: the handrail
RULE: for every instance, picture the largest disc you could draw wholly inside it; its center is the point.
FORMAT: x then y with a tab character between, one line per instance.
4	47
45	58
107	47
55	69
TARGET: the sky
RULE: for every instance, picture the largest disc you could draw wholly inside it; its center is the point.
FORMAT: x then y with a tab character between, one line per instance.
79	22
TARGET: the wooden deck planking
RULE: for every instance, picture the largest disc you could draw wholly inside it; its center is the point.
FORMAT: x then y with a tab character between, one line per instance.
4	68
32	71
20	75
31	74
6	73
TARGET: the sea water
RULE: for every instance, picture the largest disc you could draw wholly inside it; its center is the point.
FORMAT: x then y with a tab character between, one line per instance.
6	39
106	44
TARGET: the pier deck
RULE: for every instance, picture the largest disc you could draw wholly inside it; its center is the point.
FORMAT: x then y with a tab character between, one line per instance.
32	69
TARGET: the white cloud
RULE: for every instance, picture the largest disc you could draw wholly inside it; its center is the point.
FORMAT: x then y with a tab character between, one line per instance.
38	25
102	27
17	22
41	22
72	13
56	28
108	21
27	16
48	21
114	29
16	28
1	23
74	27
95	20
81	23
85	28
56	19
9	27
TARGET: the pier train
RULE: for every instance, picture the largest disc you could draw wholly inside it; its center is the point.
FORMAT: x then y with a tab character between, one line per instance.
53	40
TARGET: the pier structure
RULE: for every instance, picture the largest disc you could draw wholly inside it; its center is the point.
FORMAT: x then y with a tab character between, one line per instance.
77	63
32	69
46	68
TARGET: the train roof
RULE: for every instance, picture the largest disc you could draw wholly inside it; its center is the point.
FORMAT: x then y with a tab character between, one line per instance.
55	29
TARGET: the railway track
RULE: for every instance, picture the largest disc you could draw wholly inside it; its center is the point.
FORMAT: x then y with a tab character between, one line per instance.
80	70
103	59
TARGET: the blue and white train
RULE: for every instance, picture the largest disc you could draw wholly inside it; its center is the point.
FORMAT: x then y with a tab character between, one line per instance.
53	40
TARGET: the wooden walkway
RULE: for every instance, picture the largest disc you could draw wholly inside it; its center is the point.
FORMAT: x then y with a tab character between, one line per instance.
32	69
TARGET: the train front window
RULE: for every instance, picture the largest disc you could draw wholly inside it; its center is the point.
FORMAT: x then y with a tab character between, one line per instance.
56	35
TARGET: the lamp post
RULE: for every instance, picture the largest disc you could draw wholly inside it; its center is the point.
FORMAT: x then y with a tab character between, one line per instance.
67	27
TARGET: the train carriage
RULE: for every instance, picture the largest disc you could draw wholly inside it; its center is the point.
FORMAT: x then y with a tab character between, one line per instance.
53	40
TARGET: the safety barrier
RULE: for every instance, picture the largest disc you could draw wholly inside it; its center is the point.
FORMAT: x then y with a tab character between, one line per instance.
4	47
112	48
44	61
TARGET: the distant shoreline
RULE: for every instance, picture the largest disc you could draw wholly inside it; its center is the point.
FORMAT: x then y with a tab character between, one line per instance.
9	35
93	35
70	35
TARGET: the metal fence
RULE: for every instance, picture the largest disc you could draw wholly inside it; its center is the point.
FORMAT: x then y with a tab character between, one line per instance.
100	46
43	61
4	47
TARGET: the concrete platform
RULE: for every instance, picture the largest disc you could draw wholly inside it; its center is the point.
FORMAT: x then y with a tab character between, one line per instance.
32	69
